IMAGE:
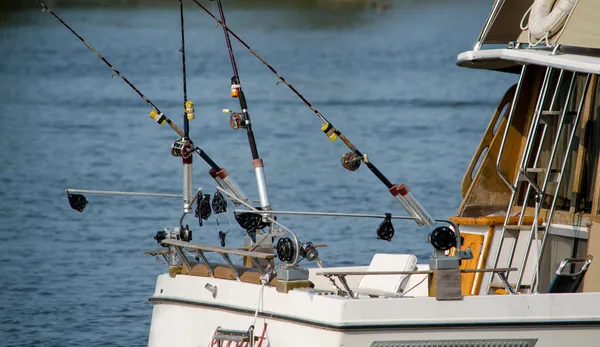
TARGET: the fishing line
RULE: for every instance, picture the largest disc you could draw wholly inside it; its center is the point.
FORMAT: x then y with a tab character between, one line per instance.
157	115
46	9
331	131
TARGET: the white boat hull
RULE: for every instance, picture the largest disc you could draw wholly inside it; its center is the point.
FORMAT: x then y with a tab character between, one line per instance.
186	314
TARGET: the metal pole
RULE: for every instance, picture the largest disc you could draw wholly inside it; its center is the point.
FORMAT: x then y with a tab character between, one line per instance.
105	192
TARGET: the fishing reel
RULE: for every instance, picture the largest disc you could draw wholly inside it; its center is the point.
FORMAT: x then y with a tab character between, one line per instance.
219	204
309	251
78	202
203	208
351	161
442	238
385	231
286	250
236	120
250	221
182	148
179	233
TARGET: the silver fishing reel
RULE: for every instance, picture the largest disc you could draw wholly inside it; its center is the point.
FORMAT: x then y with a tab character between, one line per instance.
236	120
181	148
179	233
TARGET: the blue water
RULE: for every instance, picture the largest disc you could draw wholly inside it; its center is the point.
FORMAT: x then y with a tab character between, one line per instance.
387	80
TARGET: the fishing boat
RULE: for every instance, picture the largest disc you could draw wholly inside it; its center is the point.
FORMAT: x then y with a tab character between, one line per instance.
513	267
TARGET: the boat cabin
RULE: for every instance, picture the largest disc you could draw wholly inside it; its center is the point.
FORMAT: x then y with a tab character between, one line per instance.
532	182
528	223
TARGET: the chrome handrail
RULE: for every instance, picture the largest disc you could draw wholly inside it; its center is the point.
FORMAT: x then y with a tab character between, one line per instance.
535	283
511	113
542	190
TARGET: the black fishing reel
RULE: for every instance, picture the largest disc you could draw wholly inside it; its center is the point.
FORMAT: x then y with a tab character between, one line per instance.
385	231
78	202
285	249
203	209
250	221
351	161
442	238
185	233
309	251
219	204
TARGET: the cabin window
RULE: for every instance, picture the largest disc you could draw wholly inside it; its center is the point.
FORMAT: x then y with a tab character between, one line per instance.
576	192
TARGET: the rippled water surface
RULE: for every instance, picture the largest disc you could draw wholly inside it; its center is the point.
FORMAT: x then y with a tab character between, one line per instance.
386	79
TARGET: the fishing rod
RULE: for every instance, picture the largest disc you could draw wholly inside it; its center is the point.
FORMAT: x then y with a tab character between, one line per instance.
183	147
351	160
220	175
242	120
188	106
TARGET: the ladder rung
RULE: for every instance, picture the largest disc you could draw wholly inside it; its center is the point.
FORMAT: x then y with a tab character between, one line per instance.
234	338
557	113
232	335
501	285
535	169
551	113
523	227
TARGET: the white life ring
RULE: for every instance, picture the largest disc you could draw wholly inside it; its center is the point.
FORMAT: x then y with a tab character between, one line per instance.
545	20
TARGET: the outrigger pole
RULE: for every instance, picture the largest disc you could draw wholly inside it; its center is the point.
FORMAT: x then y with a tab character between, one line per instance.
350	161
219	174
243	121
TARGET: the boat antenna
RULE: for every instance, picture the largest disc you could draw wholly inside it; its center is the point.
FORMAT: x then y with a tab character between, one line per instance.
219	174
351	160
242	120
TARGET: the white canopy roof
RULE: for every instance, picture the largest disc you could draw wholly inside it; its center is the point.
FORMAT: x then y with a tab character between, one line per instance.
512	59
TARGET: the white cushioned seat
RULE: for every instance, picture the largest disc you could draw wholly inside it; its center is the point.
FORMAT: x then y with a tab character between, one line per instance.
388	283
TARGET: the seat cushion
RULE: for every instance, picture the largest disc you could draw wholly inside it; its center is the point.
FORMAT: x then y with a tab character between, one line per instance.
389	262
